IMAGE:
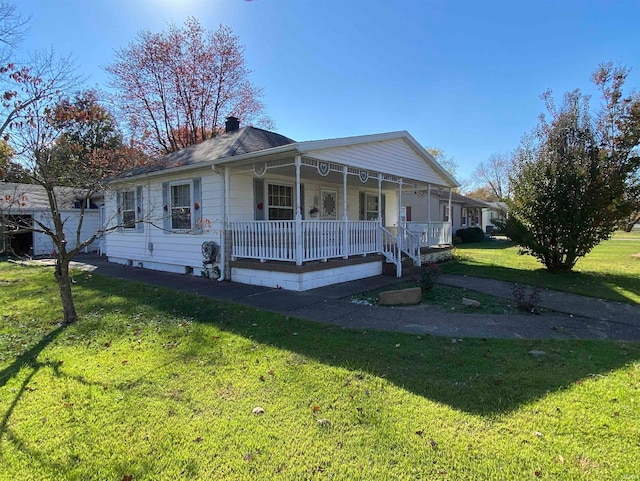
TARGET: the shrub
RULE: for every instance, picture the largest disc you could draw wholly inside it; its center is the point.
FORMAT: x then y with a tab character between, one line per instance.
456	240
526	298
470	234
429	276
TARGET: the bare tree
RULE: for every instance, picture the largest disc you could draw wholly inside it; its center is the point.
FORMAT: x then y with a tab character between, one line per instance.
493	175
12	29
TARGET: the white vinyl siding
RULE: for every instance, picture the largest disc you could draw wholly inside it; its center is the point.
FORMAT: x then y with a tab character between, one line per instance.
394	156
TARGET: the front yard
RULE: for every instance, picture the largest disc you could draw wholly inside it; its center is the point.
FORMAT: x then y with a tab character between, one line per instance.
611	271
156	384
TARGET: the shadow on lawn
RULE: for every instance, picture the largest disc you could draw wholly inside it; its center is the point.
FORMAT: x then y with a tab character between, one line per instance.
28	359
479	376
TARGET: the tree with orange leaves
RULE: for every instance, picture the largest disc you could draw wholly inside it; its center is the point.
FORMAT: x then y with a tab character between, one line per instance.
175	88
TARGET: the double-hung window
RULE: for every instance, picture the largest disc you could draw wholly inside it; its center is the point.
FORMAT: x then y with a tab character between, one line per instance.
280	202
128	209
371	207
181	206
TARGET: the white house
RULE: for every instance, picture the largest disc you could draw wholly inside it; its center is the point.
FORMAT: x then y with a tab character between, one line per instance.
256	207
27	204
436	204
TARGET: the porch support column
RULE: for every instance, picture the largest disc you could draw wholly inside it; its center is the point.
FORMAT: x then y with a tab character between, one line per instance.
429	215
400	234
298	219
450	216
379	211
379	199
345	216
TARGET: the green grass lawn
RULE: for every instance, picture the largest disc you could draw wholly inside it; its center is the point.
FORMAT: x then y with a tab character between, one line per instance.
159	385
609	271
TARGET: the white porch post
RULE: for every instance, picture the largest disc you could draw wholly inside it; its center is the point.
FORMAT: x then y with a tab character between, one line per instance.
450	216
298	219
345	217
400	236
429	215
379	199
379	210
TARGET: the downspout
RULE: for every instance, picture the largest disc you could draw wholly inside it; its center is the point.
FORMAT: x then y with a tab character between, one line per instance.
223	178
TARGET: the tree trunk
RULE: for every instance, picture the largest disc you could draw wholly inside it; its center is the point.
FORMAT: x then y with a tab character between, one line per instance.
64	284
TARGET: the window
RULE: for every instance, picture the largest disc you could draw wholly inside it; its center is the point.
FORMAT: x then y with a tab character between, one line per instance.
280	202
445	212
128	210
463	218
181	206
371	207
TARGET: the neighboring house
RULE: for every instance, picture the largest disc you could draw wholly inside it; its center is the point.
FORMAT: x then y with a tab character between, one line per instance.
255	207
491	214
22	204
435	206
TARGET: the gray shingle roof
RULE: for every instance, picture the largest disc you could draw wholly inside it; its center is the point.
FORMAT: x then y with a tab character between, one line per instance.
32	196
461	199
237	142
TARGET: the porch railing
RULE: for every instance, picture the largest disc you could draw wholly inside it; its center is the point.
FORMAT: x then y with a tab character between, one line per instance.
264	239
391	249
431	233
321	239
410	244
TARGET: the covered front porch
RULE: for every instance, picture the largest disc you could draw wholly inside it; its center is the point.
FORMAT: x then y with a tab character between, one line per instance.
310	211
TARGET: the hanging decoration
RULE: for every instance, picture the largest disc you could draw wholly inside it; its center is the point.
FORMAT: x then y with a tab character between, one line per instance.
364	176
260	169
323	168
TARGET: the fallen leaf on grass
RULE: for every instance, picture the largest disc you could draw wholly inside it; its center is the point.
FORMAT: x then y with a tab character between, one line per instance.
315	409
324	422
258	410
127	477
198	439
419	432
433	443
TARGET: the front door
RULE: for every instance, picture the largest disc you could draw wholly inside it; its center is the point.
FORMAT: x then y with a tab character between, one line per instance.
329	204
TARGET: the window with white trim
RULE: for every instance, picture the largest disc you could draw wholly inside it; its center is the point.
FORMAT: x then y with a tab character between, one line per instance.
371	207
181	206
280	202
128	209
463	217
445	212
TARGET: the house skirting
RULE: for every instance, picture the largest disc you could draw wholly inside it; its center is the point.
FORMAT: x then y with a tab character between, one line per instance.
435	254
307	276
175	266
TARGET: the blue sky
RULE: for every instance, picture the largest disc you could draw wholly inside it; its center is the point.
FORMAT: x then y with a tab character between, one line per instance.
463	76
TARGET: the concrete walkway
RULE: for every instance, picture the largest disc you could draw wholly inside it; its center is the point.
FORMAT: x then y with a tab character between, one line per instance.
577	317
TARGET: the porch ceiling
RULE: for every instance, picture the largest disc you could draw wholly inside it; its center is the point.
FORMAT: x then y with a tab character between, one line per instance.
310	171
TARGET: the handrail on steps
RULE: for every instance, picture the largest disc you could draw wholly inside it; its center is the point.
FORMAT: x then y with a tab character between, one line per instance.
391	249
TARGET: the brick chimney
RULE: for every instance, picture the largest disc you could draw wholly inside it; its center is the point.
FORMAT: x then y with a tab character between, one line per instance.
232	123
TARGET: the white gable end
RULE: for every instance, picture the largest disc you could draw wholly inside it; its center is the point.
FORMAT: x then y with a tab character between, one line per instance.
394	156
